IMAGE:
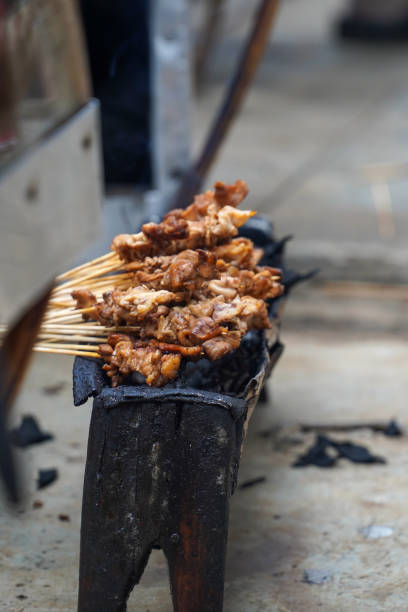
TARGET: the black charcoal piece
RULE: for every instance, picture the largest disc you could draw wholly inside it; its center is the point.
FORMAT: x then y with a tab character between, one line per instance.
28	433
88	378
316	576
252	482
54	389
260	231
46	477
292	278
390	429
319	456
356	453
393	429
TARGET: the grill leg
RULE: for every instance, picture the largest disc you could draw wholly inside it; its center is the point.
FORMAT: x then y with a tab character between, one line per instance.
114	551
157	475
203	475
197	566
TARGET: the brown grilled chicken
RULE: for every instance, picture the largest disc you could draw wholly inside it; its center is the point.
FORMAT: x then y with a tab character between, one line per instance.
195	289
210	220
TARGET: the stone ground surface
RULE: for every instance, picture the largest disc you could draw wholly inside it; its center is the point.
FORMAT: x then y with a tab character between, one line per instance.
297	520
319	113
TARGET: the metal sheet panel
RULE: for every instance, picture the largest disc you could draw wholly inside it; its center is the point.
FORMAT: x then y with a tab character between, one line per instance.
43	68
50	202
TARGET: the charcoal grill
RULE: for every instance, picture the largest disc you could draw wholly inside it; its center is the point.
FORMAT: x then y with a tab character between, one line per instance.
162	465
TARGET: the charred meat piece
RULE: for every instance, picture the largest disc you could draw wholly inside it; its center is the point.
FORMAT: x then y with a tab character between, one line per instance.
182	272
211	328
240	252
84	299
132	306
220	346
192	276
156	363
192	289
207	233
231	195
184	324
210	220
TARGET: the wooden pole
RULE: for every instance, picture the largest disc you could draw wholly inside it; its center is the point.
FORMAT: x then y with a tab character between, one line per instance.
15	354
233	99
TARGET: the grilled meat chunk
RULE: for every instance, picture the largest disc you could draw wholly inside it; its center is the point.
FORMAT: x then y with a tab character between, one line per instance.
192	289
210	220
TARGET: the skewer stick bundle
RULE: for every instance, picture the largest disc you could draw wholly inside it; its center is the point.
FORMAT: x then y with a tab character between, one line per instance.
63	322
187	287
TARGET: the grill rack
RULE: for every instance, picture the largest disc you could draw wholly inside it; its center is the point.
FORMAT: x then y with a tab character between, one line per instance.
162	464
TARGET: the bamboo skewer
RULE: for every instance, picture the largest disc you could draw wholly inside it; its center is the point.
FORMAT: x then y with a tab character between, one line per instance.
73	329
79	338
55	303
81	311
58	351
95	273
73	318
88	264
75	347
69	314
112	262
84	327
64	330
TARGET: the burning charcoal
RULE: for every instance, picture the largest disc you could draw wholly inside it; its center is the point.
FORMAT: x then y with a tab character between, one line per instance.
28	433
46	477
221	376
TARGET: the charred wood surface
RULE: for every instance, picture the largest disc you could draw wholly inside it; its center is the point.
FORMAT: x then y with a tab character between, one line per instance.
158	474
162	464
161	467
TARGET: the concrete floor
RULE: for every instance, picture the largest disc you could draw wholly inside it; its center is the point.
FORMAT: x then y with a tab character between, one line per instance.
318	114
297	520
